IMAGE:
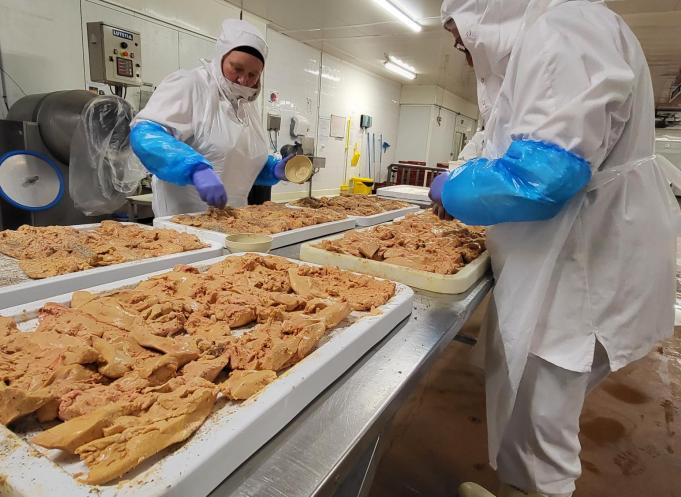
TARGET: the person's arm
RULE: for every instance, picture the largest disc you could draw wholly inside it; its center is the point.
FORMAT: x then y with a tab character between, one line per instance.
571	103
273	171
158	134
531	182
165	156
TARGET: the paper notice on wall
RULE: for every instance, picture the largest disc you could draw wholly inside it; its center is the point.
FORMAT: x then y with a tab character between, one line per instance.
324	127
337	126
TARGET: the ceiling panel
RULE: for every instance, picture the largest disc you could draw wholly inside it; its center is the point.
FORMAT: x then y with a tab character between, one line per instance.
362	32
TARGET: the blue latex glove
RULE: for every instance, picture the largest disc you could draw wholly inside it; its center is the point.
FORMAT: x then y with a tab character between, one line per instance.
436	187
531	182
280	168
165	156
210	188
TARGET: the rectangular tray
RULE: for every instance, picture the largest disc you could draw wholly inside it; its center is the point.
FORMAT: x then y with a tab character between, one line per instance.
31	290
380	218
433	282
231	434
278	239
406	192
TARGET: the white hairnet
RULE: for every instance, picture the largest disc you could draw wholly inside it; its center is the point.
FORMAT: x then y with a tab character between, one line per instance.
489	29
236	33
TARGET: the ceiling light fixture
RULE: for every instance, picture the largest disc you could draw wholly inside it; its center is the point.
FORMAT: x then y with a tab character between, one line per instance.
401	63
405	73
400	14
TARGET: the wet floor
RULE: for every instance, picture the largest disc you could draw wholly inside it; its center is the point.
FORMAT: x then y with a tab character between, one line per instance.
630	431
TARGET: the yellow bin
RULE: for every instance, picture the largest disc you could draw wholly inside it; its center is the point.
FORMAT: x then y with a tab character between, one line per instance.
362	186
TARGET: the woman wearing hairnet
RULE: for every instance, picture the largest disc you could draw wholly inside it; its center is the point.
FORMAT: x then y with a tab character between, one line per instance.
582	221
200	132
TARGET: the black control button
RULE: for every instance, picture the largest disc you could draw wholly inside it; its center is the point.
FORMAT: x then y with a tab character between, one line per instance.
124	44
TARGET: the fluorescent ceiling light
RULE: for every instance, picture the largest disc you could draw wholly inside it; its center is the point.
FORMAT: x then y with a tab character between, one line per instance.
399	14
401	63
391	66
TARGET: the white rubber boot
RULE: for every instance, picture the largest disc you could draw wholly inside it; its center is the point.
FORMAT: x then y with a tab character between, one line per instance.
469	489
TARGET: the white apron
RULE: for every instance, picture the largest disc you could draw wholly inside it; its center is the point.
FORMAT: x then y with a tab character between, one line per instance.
528	257
522	285
229	135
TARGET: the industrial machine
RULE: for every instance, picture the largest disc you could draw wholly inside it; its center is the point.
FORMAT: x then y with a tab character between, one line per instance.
65	156
115	56
43	138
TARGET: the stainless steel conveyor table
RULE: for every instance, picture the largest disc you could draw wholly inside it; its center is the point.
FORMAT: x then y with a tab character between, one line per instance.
333	446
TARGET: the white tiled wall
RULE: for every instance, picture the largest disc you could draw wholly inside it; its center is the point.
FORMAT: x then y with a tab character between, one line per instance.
40	53
421	137
42	46
292	74
350	91
293	71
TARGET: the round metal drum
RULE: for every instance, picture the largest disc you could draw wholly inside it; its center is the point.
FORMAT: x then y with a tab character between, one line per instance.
30	180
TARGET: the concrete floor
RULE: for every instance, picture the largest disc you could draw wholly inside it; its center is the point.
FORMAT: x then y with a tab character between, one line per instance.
631	431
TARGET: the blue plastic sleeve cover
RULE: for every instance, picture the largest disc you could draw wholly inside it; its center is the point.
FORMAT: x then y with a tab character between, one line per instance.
531	182
164	155
266	176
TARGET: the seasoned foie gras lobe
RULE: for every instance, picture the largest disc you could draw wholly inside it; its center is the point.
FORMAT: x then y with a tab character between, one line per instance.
7	326
15	403
115	357
244	384
206	368
302	285
172	418
184	349
368	249
78	431
65	380
47	267
309	338
126	389
158	370
109	311
333	313
81	297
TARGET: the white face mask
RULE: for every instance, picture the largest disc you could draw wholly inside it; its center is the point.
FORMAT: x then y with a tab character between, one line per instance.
232	91
238	91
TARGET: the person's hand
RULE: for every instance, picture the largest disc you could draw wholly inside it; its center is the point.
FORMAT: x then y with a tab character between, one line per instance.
280	167
436	187
210	188
439	211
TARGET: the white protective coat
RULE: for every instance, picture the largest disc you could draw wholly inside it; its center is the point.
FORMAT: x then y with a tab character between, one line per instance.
216	117
603	268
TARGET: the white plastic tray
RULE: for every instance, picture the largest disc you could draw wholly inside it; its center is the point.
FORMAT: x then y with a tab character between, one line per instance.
433	282
382	217
30	290
406	192
278	239
229	436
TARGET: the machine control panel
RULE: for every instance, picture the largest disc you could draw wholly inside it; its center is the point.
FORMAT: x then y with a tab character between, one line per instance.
115	55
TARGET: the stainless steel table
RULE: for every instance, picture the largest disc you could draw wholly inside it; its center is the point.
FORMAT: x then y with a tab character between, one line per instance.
332	447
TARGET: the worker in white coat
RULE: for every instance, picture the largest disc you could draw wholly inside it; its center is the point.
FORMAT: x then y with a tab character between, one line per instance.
582	222
200	133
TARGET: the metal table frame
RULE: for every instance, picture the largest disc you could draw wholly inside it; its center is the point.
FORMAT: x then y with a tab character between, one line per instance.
333	446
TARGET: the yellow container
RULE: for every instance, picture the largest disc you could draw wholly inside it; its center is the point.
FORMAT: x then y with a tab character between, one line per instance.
361	186
345	190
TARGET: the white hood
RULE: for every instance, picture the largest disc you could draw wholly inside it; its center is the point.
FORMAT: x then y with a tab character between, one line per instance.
236	33
489	30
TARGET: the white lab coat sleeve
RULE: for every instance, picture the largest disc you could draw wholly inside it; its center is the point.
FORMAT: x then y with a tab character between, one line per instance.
573	86
172	104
